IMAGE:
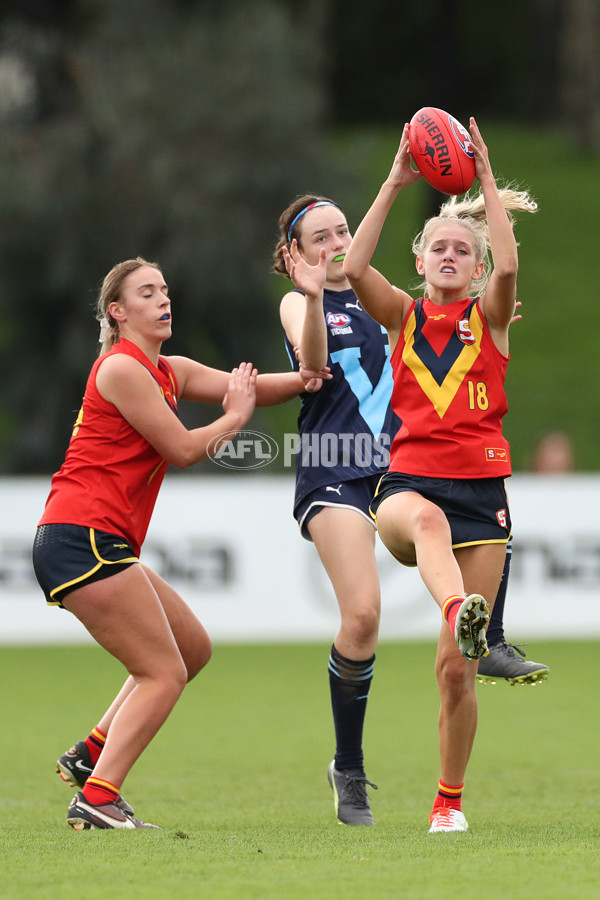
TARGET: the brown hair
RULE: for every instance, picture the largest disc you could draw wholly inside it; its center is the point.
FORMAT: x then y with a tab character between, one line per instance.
110	291
285	220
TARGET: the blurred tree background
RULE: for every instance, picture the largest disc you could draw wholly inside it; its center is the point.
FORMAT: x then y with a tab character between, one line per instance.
179	130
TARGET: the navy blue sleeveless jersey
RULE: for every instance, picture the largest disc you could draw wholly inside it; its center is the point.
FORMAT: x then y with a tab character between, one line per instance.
346	428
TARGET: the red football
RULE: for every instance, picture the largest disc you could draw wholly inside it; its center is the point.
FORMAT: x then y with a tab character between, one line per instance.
441	149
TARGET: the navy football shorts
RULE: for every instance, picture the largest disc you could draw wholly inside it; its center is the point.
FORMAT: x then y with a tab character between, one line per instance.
476	508
65	557
356	494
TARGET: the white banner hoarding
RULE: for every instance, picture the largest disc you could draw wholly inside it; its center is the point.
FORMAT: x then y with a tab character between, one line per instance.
230	546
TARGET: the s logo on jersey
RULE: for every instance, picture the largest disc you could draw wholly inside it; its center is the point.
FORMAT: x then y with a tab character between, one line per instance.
502	520
338	320
463	331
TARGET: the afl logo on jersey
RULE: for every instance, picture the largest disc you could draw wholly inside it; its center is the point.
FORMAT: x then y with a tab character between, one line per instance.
338	320
463	330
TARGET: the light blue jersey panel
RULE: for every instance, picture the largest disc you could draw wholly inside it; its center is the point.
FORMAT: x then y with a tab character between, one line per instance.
347	427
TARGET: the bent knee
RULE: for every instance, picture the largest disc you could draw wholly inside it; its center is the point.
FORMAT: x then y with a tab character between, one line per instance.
455	676
362	624
169	674
430	518
201	657
177	676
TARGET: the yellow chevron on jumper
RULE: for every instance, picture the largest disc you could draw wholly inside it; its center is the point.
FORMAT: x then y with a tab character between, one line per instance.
442	395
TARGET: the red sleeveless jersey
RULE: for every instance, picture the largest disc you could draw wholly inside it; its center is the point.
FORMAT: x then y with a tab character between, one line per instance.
111	474
449	393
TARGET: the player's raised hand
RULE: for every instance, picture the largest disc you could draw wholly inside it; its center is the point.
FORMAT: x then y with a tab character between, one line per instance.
240	398
483	167
309	279
402	172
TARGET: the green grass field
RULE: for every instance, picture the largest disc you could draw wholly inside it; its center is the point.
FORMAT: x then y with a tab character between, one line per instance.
237	780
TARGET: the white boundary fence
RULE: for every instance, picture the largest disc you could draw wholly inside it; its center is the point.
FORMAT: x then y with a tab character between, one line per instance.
230	546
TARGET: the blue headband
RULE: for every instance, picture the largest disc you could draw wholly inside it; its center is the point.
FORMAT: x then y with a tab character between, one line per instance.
305	210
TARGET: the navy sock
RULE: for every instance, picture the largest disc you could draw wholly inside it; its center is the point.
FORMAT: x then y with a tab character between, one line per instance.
495	632
349	683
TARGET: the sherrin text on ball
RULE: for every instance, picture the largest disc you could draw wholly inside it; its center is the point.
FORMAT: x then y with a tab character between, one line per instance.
441	149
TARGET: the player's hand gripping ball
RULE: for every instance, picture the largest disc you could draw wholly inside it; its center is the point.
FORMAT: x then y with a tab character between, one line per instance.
441	149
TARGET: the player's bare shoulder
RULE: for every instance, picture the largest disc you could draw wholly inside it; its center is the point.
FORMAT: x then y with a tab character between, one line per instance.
119	373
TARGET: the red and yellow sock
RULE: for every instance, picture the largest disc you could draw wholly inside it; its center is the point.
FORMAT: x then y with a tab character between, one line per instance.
450	609
448	796
97	791
95	744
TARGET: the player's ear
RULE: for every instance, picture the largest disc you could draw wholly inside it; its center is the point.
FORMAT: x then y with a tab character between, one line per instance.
419	265
477	271
117	311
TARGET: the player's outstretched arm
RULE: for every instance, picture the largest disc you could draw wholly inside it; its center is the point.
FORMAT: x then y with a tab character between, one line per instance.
128	385
202	384
387	304
499	301
302	317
